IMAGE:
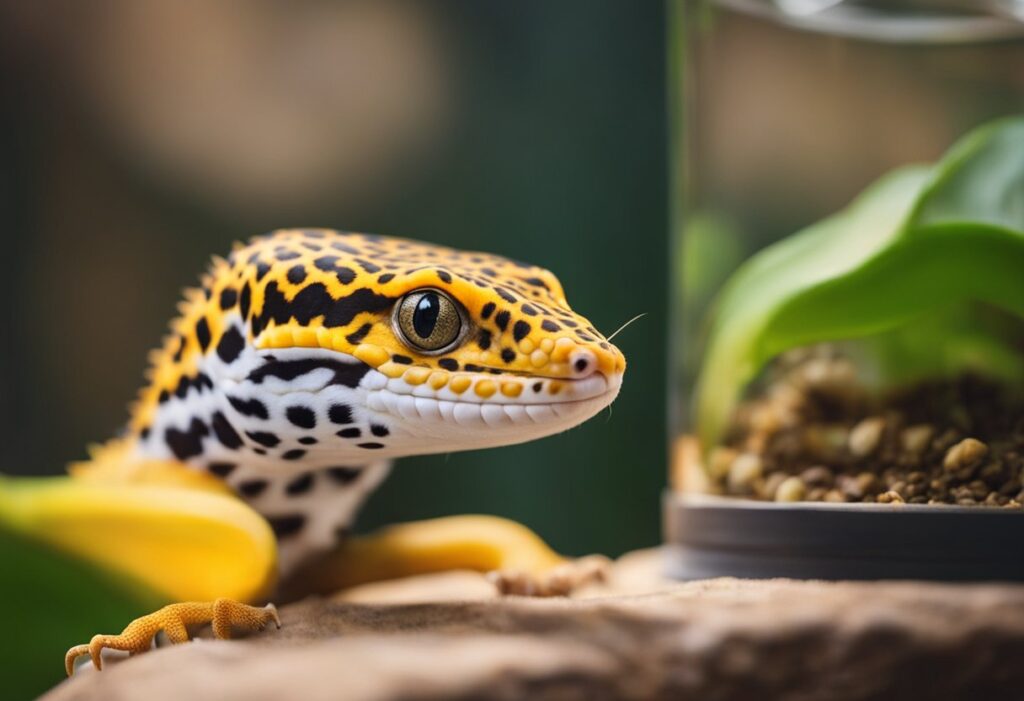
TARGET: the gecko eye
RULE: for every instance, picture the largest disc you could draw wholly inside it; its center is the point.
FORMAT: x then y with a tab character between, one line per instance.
429	321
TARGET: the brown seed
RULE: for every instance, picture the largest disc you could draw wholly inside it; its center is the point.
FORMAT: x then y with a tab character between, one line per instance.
966	453
1012	504
865	436
835	496
770	485
966	501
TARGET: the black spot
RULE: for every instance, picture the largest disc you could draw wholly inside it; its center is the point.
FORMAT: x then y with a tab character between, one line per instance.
296	274
260	451
487	310
203	333
538	386
293	454
181	391
228	298
244	300
370	446
528	310
188	443
164	396
314	300
386	278
225	432
584	337
489	272
472	367
401	359
449	364
445	276
264	438
506	295
368	266
261	271
286	255
340	414
357	336
502	318
570	323
535	281
312	233
345	248
144	433
345	374
284	526
221	469
344	475
253	488
520	330
181	349
508	355
549	325
300	485
329	265
484	339
379	431
349	433
581	365
230	345
301	416
249	407
308	440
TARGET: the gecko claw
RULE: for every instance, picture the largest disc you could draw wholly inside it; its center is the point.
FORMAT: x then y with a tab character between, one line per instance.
175	619
558	581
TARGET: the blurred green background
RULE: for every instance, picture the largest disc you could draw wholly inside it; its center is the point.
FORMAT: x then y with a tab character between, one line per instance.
140	138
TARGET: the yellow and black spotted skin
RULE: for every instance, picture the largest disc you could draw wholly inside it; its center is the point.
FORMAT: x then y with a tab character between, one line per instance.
310	357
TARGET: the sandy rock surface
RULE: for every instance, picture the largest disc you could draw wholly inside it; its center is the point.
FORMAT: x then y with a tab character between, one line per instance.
447	637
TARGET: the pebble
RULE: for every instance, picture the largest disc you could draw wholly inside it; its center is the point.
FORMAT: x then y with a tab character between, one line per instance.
817	476
791	489
865	436
890	497
964	454
915	439
744	471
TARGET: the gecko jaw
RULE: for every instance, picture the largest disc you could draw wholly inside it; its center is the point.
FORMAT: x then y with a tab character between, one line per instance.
444	422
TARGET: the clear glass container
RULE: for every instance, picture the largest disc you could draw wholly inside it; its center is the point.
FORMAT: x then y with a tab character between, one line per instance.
782	112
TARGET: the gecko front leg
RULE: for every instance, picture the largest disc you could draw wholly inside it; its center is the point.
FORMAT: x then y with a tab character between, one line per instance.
225	615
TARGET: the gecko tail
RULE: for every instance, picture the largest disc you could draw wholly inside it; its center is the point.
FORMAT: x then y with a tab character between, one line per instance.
175	540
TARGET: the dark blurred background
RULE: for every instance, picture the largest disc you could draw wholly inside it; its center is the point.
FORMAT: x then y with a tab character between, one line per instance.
139	137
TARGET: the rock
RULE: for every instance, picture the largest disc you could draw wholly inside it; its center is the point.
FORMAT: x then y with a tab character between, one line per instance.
639	636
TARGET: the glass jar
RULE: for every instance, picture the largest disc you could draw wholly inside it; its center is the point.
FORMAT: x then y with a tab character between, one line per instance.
782	113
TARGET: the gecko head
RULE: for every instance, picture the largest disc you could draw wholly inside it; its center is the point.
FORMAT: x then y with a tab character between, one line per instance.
354	343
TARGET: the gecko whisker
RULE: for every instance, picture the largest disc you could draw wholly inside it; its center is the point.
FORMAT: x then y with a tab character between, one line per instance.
616	332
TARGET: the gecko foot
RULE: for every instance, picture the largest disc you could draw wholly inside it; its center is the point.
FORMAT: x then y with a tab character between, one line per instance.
560	580
225	615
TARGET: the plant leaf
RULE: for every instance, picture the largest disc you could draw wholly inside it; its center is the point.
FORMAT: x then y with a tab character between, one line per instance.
917	240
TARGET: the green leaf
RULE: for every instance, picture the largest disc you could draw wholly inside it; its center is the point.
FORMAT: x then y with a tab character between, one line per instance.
918	240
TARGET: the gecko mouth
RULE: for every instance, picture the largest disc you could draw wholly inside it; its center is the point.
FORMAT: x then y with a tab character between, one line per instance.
576	402
508	390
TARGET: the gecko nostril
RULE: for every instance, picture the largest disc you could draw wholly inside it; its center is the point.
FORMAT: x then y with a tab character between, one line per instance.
581	365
